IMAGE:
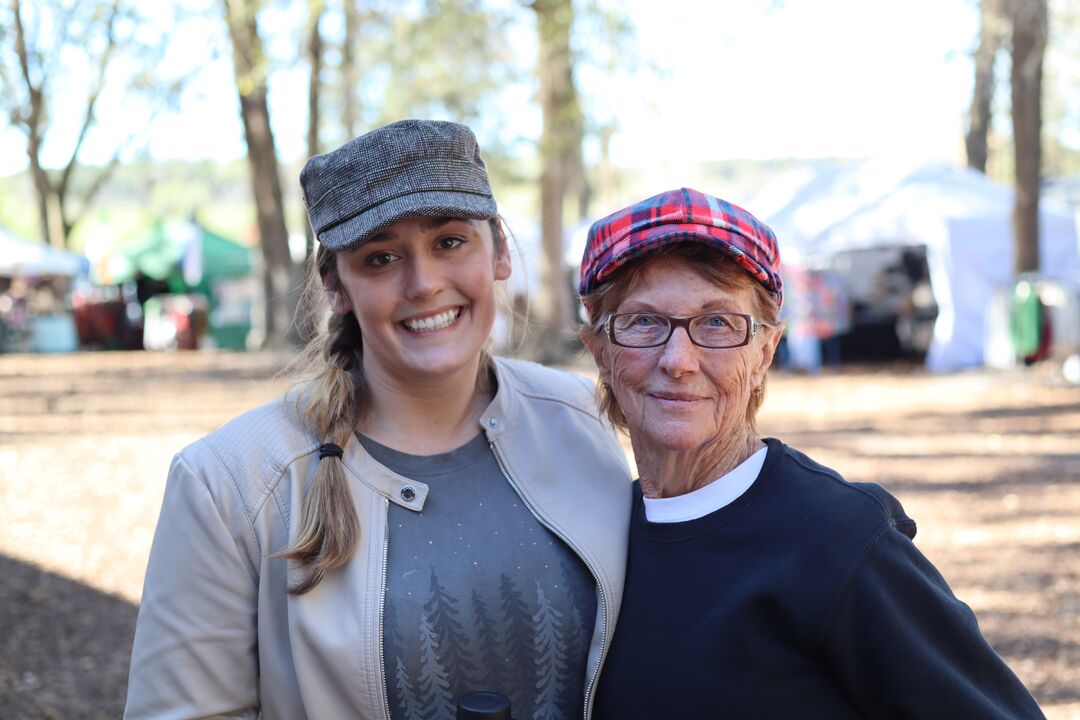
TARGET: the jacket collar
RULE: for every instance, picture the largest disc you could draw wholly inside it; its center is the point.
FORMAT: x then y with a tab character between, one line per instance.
411	494
504	406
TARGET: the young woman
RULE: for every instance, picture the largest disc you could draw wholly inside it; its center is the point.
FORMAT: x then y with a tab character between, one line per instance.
416	519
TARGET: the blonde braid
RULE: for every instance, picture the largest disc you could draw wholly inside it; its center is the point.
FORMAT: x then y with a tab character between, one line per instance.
332	398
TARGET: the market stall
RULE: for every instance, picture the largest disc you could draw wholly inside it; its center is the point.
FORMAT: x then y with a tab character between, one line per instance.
181	264
35	295
902	235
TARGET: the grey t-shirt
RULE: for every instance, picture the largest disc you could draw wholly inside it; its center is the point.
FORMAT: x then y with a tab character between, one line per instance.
480	595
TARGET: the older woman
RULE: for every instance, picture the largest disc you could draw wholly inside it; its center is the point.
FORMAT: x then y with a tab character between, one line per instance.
759	584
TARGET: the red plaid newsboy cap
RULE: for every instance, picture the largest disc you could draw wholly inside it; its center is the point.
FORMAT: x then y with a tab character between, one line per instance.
682	215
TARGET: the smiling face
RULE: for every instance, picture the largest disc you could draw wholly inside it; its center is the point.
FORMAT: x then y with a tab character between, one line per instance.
423	293
680	396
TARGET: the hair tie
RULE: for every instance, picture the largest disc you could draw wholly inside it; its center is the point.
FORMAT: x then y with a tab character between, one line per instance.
330	449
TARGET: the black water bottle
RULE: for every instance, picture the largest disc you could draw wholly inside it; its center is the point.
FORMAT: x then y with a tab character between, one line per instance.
483	706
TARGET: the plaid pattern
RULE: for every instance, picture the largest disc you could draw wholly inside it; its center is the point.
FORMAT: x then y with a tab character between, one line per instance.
679	216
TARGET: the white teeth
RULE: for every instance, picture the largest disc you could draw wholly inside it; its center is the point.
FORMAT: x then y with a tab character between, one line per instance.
434	322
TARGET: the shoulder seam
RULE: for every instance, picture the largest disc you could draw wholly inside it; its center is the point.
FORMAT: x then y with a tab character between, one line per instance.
835	477
845	584
249	512
561	401
888	522
526	372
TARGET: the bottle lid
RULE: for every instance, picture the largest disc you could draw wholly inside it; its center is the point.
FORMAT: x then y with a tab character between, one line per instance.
483	706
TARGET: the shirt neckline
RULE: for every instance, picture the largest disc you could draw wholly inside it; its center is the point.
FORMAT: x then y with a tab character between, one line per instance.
673	532
710	498
426	466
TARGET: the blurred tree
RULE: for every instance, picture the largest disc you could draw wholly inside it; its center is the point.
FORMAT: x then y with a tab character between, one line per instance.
385	60
980	116
561	169
350	113
435	59
304	326
51	47
453	59
606	42
316	10
1029	23
1025	25
251	69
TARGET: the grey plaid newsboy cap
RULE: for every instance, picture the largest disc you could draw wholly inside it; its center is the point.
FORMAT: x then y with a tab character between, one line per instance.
408	169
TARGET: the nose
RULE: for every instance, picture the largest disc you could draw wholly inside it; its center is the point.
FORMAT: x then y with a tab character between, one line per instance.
424	278
680	355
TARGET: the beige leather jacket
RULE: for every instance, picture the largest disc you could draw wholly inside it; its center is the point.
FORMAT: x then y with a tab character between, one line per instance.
218	636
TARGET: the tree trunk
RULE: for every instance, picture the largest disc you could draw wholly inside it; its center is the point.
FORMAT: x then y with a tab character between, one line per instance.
316	8
348	70
980	114
304	327
42	189
1029	35
31	121
559	146
251	66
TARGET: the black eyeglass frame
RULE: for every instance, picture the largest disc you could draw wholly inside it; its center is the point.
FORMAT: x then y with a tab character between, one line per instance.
752	326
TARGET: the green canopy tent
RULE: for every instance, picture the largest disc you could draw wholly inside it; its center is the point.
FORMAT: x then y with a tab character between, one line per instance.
184	254
191	259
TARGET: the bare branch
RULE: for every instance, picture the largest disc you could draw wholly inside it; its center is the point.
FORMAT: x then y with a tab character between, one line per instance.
95	93
29	118
62	39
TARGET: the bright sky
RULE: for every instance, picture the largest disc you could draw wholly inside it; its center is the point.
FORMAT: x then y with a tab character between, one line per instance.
811	78
847	78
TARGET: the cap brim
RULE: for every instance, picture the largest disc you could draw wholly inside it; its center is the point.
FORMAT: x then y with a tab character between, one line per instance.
359	228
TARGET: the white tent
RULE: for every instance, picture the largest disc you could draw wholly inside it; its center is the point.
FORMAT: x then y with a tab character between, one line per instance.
22	257
962	218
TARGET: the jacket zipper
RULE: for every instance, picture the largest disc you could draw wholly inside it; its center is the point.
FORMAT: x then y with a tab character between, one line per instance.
382	605
581	556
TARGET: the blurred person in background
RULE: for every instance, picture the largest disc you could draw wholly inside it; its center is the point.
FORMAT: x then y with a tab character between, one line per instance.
15	328
816	312
415	519
759	584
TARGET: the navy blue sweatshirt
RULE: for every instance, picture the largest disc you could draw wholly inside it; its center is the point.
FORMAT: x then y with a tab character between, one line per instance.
803	598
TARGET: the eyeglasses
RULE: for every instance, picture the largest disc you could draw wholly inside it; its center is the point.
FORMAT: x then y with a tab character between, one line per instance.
709	330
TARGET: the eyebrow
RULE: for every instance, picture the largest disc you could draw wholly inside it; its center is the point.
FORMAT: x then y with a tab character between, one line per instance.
437	222
709	307
426	223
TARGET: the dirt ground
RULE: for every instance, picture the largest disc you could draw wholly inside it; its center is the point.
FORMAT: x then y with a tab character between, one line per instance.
987	463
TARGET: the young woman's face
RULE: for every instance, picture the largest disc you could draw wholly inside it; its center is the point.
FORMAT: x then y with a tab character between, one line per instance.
423	292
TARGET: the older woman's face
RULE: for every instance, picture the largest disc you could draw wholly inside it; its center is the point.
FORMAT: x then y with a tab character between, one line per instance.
680	396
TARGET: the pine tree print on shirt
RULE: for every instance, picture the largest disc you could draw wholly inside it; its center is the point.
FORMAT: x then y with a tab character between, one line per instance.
548	661
573	631
442	611
468	566
405	693
518	646
401	686
435	699
489	674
